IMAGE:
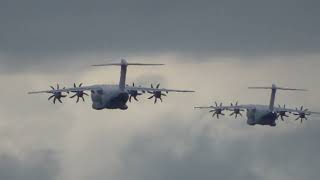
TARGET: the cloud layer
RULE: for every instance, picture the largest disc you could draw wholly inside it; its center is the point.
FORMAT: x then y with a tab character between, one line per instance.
36	32
171	141
217	48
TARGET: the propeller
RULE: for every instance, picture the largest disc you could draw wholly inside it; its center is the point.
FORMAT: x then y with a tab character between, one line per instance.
236	111
56	95
78	93
134	93
282	113
217	110
156	94
302	114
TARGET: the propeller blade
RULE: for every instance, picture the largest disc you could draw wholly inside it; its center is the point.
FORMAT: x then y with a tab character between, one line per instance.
51	97
214	114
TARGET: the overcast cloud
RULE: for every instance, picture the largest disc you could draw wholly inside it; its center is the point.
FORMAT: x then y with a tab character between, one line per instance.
217	48
38	31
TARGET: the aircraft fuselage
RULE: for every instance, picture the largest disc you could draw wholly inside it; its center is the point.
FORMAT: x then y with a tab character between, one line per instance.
109	97
262	115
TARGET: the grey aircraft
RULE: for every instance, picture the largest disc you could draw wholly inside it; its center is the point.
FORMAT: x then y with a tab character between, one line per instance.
108	96
261	114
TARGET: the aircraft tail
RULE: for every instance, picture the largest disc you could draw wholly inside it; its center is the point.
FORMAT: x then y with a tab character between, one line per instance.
274	89
124	64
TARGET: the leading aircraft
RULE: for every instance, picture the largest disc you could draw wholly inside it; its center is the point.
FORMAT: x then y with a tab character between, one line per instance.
110	96
261	114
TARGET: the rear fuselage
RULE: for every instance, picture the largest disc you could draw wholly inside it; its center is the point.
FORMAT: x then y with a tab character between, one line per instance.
109	97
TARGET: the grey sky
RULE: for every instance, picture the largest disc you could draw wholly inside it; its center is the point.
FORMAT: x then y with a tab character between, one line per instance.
171	141
39	31
217	48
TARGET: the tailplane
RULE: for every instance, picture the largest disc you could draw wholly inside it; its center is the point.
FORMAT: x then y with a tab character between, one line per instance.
124	64
274	89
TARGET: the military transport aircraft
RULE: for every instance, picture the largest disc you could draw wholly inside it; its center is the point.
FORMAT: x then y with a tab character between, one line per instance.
110	96
261	114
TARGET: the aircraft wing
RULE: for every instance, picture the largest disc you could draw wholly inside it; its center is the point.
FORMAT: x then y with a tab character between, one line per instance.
244	107
278	109
132	88
66	90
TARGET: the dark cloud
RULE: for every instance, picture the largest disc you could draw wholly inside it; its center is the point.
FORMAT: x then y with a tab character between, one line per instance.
36	30
36	165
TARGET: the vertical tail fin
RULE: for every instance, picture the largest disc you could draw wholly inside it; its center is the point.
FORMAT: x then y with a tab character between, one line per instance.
274	89
123	73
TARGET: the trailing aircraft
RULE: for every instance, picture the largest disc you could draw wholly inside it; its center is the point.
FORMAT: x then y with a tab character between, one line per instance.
261	114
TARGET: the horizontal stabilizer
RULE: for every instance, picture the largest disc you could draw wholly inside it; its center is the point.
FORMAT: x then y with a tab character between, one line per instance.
278	88
128	64
274	89
125	63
